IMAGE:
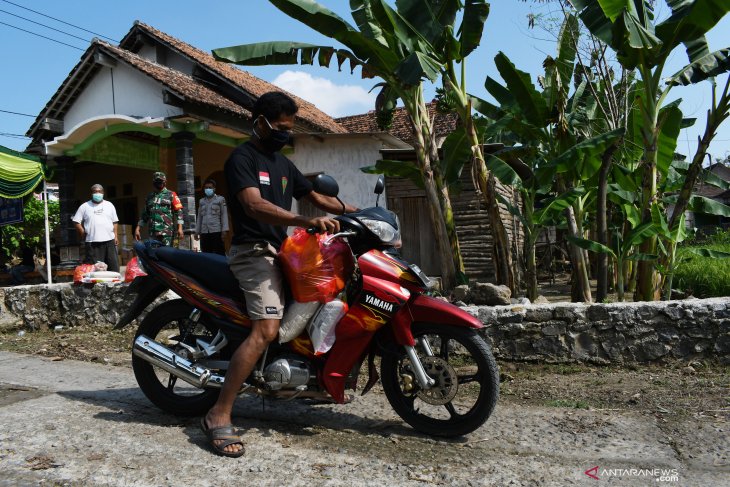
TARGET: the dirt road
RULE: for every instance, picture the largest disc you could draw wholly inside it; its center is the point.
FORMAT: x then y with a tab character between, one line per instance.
64	422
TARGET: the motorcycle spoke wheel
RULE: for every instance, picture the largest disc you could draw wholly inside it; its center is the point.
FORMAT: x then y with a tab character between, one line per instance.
466	381
169	324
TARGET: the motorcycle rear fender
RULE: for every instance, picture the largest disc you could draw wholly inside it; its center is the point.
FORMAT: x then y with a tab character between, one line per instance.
148	289
425	309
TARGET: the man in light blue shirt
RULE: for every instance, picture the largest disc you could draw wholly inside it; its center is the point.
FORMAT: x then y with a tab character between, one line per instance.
211	226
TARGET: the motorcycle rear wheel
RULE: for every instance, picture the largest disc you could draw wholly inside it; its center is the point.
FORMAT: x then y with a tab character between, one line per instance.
165	324
467	381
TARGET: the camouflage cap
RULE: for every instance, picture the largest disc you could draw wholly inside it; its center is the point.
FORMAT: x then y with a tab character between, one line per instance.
159	175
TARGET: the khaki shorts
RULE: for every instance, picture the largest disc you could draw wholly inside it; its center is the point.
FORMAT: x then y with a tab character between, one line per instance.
261	279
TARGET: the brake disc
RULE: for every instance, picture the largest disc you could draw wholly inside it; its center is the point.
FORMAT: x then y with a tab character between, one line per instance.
446	386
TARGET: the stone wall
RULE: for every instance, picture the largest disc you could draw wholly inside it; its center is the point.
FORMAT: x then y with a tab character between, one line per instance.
46	306
565	332
609	333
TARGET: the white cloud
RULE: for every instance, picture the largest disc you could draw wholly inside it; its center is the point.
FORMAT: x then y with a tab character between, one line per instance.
335	100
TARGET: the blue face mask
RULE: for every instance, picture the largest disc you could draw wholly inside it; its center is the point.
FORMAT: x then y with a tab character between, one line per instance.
97	197
209	192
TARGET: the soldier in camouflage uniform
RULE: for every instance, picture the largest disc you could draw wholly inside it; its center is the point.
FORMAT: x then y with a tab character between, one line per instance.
161	209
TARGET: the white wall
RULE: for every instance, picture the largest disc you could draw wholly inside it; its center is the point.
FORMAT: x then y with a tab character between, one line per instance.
134	94
171	59
342	158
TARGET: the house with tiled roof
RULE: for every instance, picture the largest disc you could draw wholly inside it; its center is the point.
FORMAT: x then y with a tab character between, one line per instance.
156	103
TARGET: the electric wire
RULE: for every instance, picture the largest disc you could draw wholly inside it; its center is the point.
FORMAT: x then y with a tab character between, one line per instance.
14	136
59	20
43	25
18	113
39	35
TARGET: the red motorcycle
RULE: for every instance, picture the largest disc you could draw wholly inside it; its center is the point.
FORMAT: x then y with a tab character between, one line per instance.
436	370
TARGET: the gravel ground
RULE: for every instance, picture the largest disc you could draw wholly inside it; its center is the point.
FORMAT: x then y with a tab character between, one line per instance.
66	422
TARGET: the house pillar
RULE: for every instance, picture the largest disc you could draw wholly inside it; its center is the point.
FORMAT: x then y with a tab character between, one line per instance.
68	246
186	181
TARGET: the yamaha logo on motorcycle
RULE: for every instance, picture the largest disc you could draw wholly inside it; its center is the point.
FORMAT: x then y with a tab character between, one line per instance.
378	303
437	371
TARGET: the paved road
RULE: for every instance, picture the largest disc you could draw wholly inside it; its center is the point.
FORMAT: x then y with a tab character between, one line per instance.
76	423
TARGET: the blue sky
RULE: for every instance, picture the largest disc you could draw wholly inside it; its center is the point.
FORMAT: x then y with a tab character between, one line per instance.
34	67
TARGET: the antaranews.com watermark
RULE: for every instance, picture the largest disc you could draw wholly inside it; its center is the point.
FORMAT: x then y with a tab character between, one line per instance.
657	474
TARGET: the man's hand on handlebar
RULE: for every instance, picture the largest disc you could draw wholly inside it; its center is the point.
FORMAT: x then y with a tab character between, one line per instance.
322	224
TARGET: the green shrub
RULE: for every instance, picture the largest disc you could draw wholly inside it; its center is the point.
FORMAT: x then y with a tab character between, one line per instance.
32	229
704	277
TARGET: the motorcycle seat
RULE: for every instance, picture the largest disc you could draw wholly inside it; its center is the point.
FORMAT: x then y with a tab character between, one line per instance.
210	270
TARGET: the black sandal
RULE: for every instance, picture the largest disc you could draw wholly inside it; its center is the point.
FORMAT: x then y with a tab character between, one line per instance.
226	434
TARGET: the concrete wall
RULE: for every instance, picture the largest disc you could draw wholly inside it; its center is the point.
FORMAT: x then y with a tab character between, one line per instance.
566	332
342	158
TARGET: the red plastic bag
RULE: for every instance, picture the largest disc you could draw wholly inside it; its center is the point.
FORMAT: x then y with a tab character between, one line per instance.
133	270
316	266
80	270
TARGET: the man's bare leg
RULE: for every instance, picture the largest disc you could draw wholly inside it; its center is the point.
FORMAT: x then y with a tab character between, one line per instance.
242	363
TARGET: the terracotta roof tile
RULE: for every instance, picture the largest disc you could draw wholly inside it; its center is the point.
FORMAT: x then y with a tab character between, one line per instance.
253	85
444	124
176	81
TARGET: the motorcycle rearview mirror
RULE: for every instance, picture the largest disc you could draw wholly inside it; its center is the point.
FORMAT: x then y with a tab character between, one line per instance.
326	185
379	188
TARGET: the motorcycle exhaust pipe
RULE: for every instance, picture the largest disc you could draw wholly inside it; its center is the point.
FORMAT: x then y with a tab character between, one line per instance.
158	355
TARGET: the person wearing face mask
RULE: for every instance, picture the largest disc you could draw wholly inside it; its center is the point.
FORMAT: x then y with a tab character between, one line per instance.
96	223
161	210
262	183
211	226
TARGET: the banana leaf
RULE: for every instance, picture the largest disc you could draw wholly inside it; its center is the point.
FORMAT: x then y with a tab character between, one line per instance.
472	26
584	157
701	204
690	20
706	67
557	204
591	245
457	151
525	94
670	118
712	254
400	169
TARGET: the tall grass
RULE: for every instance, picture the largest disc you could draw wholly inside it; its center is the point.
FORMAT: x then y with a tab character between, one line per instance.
704	277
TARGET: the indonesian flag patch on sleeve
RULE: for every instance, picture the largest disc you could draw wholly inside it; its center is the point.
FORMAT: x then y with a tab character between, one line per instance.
176	203
264	178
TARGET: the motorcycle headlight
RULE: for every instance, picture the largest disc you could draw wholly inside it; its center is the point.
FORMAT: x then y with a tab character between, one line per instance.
385	231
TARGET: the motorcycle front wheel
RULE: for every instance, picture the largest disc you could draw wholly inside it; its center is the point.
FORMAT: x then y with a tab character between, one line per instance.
169	324
466	381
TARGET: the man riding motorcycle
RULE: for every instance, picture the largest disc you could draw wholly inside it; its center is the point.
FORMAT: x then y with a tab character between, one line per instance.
262	183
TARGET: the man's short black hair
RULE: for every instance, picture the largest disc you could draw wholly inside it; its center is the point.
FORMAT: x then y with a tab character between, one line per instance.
273	105
209	181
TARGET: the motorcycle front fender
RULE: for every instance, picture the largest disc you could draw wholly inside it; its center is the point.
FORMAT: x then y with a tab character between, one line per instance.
147	289
425	309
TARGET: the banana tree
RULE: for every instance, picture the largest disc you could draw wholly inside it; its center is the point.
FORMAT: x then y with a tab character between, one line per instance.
454	46
396	46
621	250
630	29
537	125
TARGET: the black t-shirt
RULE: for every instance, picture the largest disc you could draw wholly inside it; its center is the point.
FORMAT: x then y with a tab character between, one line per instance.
278	181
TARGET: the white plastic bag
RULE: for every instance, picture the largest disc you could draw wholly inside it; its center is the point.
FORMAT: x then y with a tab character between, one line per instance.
101	266
101	276
322	327
296	317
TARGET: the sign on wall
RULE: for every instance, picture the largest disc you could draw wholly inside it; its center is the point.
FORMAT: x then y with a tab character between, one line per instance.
11	210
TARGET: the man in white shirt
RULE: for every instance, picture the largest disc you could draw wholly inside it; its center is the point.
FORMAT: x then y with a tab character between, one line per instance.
96	221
